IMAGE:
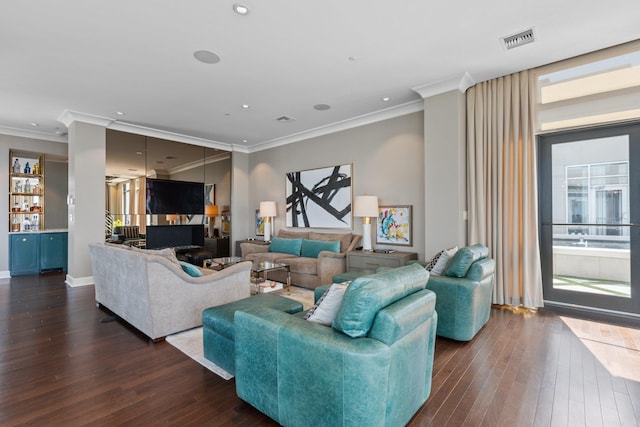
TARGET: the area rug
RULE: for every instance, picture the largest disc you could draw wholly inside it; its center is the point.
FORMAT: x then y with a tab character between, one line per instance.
190	342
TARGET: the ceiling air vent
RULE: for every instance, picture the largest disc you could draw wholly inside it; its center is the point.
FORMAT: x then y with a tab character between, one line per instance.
519	39
284	119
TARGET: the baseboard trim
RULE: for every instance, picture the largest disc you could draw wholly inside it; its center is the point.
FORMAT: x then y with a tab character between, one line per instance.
5	275
591	313
75	282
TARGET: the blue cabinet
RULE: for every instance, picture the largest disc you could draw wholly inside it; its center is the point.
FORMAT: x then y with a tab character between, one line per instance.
53	251
32	253
24	254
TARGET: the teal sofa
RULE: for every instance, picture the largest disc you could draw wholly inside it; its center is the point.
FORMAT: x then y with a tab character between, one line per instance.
464	293
372	367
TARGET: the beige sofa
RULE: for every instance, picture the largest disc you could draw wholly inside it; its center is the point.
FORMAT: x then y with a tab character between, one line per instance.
306	272
149	289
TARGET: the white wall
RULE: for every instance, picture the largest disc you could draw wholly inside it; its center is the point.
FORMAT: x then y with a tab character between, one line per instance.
445	171
387	160
242	215
86	187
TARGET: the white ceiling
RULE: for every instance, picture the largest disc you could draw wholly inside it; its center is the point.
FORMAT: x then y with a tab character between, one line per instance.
284	57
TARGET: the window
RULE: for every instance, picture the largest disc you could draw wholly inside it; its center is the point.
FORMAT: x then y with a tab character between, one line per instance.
596	194
602	87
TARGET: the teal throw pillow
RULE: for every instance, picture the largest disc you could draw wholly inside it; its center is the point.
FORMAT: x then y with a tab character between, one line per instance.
460	263
311	248
285	246
190	269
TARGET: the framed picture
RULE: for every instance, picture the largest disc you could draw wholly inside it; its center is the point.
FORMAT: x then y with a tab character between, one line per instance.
395	225
209	194
319	198
259	224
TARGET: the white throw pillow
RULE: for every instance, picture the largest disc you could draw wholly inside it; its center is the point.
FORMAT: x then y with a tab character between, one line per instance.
442	262
325	311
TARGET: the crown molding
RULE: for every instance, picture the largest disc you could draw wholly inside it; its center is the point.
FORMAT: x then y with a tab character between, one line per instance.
365	119
32	134
460	83
171	136
68	117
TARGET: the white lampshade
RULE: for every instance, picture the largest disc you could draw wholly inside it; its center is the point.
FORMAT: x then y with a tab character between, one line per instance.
365	206
268	209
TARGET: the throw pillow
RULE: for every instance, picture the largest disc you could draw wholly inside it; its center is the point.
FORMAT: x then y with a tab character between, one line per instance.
328	305
168	253
441	263
432	262
311	248
285	246
190	269
460	263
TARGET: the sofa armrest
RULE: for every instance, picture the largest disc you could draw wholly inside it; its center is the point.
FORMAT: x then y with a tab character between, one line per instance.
248	248
330	264
354	243
464	305
415	261
286	366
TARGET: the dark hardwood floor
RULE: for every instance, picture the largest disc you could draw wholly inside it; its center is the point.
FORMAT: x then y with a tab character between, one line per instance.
60	366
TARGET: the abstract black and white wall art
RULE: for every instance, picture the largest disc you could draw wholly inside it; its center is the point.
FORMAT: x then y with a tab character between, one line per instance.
319	198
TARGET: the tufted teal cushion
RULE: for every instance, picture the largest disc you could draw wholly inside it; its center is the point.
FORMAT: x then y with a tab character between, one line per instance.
285	246
368	294
311	248
462	260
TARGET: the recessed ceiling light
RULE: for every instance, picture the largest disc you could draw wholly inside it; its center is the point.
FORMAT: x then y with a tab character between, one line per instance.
159	161
244	140
170	157
34	124
353	58
241	9
321	107
120	113
206	56
133	170
386	99
139	153
245	106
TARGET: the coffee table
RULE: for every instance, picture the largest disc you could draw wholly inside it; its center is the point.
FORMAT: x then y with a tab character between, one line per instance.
223	262
259	272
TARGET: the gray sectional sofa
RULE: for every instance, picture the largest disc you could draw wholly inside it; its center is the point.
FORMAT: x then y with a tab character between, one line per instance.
152	292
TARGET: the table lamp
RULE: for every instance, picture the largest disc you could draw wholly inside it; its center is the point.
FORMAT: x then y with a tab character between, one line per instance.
366	207
267	211
211	212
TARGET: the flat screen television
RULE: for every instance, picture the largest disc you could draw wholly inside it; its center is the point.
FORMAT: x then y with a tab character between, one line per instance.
175	236
174	197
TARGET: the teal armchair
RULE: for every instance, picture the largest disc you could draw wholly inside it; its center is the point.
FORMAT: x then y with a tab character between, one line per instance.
372	367
464	293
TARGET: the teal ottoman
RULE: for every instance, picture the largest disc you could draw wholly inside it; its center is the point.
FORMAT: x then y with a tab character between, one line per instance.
349	276
218	330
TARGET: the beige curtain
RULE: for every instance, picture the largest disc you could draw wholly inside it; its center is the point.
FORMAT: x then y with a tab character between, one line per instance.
502	186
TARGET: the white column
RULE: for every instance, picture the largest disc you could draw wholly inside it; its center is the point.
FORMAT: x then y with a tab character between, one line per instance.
86	198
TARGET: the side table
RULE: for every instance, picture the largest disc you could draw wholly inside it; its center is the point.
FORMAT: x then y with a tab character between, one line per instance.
371	261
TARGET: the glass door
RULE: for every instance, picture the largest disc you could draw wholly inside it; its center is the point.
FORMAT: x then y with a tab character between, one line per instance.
589	213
